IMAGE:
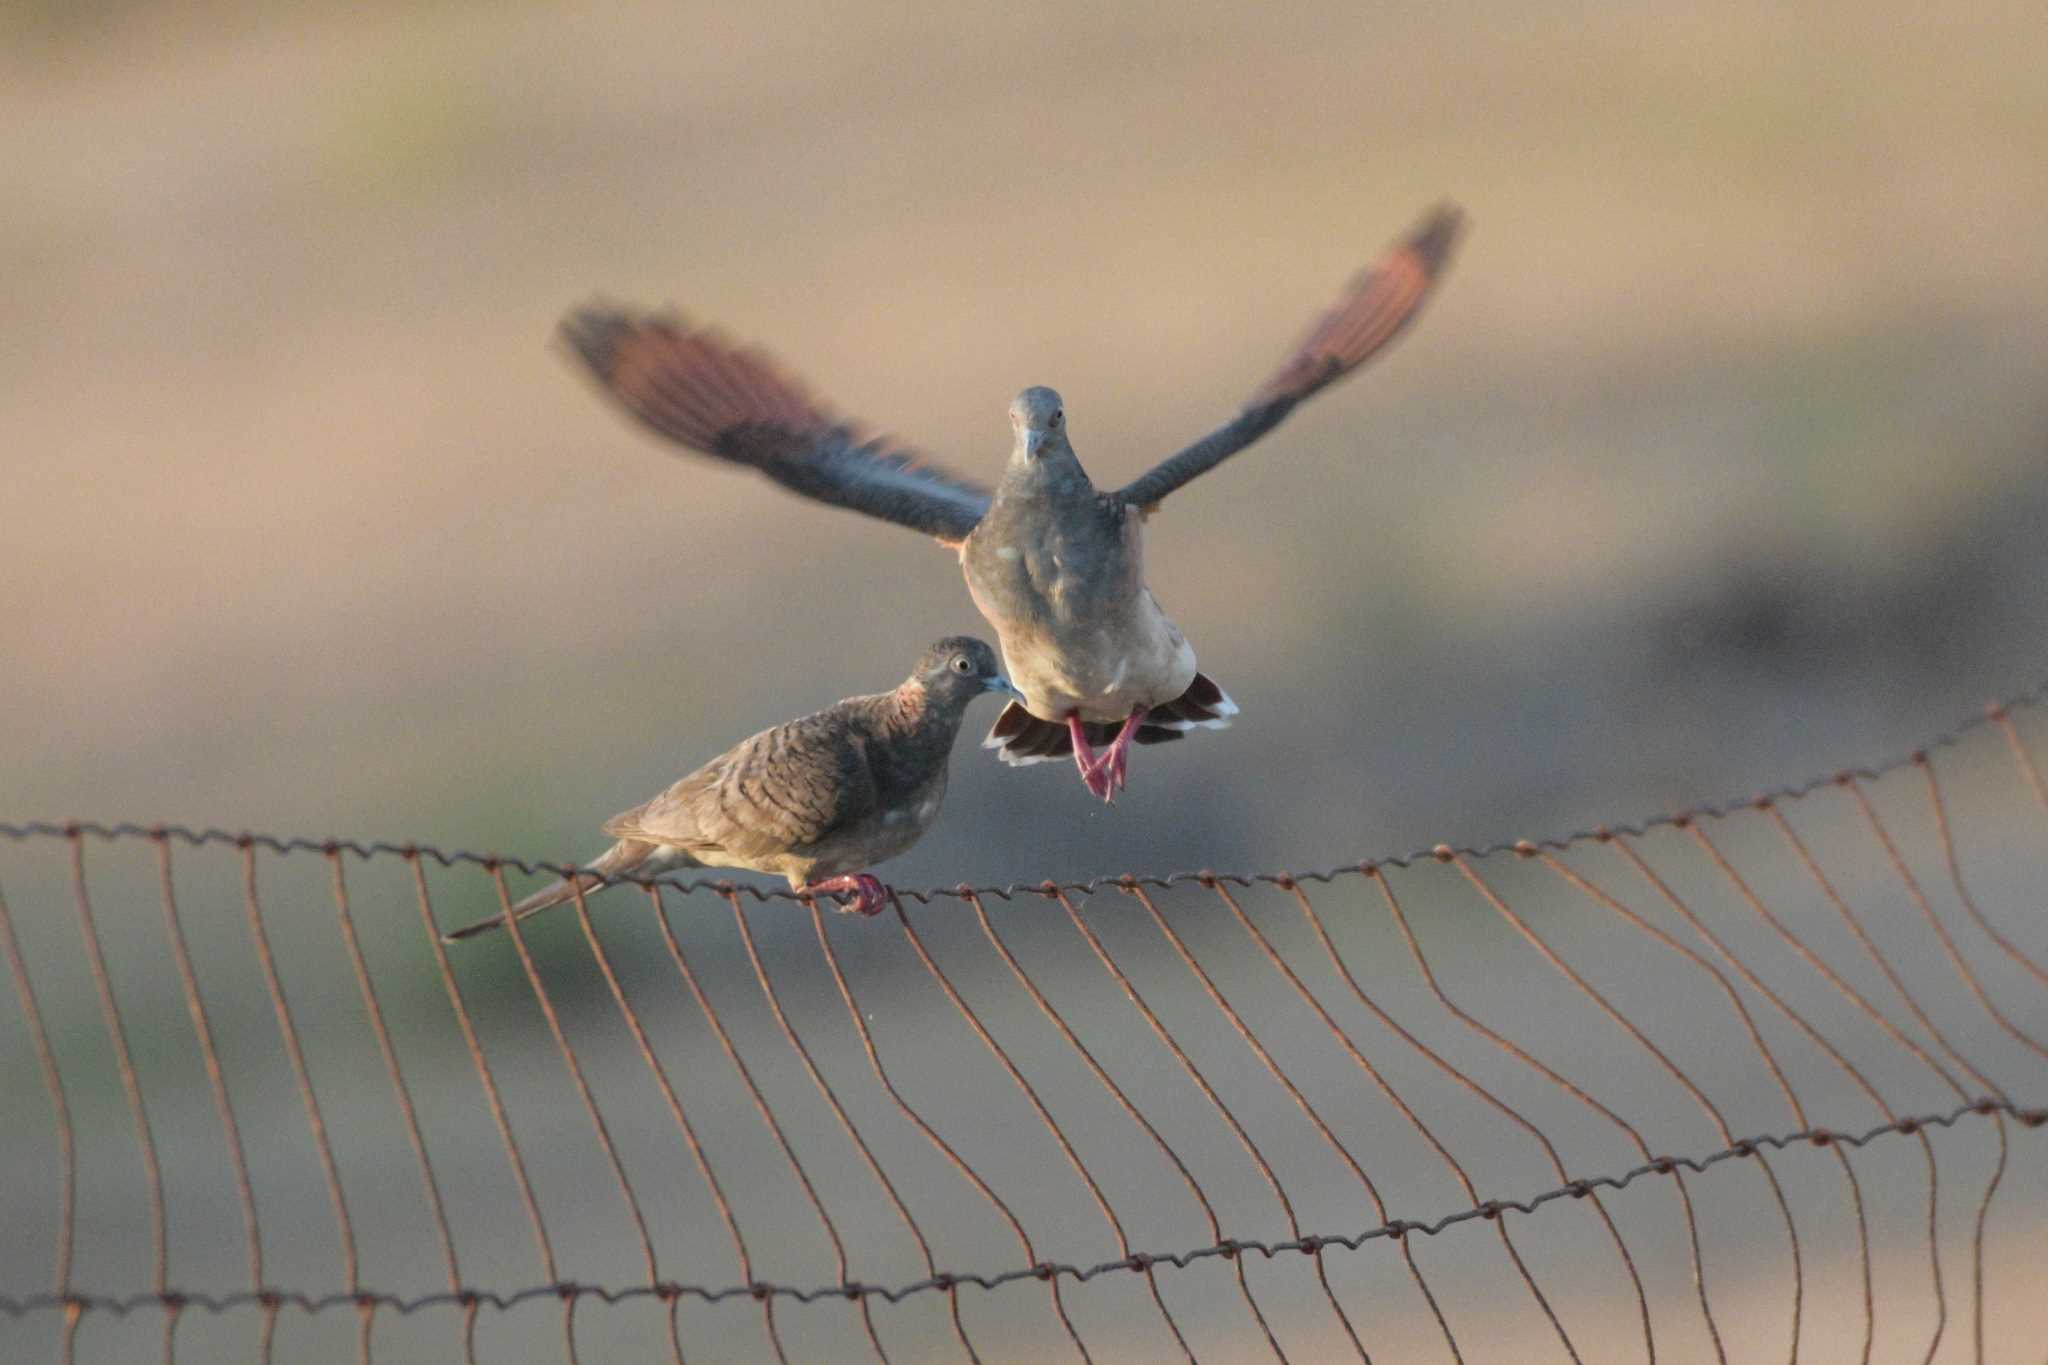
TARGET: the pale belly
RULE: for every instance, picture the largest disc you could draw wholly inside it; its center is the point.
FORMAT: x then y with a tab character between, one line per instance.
876	840
1079	630
1105	671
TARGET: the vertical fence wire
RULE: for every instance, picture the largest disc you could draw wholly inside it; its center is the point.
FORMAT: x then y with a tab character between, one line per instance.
409	1115
575	1068
60	1117
1286	1082
914	1118
1976	989
1806	954
674	1103
1919	1013
1124	1102
1523	1056
988	1041
316	1122
1664	1062
131	1087
1796	1109
760	1101
1194	1074
825	1092
216	1078
1938	808
499	1120
1934	1034
1406	1110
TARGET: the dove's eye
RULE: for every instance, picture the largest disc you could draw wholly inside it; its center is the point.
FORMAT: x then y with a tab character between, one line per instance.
961	663
1058	417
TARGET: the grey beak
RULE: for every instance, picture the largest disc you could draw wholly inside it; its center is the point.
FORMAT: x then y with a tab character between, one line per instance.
1035	440
999	683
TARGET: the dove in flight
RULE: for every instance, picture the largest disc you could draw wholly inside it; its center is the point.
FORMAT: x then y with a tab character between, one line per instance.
1054	563
818	800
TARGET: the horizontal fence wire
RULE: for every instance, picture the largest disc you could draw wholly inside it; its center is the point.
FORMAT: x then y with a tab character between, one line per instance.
1234	1067
1138	1261
1994	714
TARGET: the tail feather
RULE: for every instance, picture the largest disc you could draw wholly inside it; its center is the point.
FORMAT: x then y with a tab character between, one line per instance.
1021	738
1204	704
624	856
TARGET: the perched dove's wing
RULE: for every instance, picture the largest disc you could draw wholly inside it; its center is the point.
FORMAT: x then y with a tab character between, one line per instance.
1371	313
696	389
782	791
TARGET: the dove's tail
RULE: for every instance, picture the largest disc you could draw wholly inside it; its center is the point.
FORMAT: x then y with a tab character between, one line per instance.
1020	737
624	856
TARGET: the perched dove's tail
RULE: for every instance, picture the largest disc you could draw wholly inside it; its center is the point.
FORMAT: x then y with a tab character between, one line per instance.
624	856
1020	737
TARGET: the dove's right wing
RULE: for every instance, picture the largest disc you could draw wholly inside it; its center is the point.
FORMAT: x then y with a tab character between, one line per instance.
1371	312
697	390
784	790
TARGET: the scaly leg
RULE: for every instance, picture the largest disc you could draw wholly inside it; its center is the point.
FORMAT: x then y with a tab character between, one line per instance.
870	897
1084	757
1109	768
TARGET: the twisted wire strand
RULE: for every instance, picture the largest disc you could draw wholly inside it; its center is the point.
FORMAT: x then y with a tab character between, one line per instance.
1310	1244
1992	1099
1996	714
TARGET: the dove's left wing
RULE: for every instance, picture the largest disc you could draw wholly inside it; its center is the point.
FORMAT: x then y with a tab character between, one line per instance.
699	391
1372	311
782	791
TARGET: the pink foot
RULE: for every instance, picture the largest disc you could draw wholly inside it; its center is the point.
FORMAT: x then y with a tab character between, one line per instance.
870	897
1085	759
1109	769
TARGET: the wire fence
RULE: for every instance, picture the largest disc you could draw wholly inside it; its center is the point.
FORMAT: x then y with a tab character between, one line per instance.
1752	1081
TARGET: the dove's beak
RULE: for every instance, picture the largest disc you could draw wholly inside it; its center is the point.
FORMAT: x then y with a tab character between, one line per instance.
1035	442
999	683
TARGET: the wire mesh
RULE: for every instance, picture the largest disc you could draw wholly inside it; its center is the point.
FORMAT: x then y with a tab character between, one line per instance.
1753	1081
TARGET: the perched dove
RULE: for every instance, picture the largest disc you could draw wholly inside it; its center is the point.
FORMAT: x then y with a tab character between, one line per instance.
1052	562
818	800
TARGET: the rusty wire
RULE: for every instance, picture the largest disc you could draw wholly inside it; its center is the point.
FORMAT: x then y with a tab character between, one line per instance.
1944	1054
1311	1244
1997	714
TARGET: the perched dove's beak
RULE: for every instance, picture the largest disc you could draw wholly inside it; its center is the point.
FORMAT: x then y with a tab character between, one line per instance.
999	683
1035	440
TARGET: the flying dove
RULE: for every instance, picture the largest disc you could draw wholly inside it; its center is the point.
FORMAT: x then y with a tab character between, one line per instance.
1054	563
818	800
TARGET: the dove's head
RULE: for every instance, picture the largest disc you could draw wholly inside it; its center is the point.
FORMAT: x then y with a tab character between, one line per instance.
1040	421
959	668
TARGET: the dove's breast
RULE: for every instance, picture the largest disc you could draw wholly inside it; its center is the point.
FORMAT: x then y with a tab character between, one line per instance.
1079	628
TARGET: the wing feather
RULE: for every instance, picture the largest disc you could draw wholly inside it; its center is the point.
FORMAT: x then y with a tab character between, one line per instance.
700	391
781	791
1379	302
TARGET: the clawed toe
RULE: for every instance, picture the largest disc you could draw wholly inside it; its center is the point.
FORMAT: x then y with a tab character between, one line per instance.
865	893
1104	778
870	897
1096	779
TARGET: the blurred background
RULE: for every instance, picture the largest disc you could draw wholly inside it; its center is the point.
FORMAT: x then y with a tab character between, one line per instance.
1716	462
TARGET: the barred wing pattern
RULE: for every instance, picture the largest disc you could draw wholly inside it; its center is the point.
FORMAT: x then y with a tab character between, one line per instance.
788	788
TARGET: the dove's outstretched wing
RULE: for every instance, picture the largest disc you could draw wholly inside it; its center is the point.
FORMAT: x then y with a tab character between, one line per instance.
702	392
1379	302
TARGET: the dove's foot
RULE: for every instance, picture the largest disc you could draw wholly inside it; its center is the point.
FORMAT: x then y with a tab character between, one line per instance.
870	897
1108	777
1085	759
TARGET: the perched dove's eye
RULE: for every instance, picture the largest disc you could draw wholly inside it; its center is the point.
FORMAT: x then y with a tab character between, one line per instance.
962	664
